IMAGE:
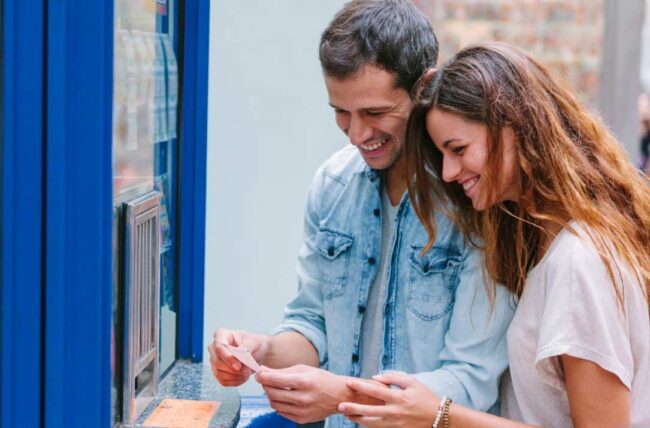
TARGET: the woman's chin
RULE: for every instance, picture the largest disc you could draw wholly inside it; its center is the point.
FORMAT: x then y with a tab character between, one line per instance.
477	204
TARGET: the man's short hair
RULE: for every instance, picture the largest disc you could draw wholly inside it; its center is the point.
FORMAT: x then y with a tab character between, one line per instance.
393	35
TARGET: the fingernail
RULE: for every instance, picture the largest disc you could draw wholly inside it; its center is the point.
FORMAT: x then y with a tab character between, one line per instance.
235	366
341	408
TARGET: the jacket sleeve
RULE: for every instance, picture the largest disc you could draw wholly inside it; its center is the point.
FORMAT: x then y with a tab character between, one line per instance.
304	313
475	354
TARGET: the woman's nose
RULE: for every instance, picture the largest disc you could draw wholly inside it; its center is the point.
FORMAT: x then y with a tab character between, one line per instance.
450	168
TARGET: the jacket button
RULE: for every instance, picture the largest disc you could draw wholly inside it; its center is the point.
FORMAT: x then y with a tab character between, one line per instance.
384	360
362	309
371	261
330	251
355	358
376	212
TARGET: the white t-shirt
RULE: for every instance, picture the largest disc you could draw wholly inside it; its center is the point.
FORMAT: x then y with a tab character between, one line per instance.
569	306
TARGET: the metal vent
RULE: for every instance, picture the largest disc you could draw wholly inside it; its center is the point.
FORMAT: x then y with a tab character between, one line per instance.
141	304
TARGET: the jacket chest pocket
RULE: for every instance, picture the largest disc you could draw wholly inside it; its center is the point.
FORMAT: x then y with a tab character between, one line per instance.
334	250
431	282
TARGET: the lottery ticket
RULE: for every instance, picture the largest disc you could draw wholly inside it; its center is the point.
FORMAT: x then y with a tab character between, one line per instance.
244	356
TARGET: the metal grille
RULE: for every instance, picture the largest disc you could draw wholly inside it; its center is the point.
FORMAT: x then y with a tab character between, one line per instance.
141	308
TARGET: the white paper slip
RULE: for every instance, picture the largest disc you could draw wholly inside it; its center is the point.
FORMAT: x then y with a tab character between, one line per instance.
244	356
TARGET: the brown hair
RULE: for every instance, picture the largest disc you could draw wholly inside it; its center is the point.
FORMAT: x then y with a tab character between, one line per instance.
570	165
393	35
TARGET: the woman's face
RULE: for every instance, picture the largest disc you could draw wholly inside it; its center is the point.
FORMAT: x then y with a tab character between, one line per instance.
464	147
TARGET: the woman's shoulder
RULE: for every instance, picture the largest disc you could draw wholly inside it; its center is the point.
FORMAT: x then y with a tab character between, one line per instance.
573	246
580	256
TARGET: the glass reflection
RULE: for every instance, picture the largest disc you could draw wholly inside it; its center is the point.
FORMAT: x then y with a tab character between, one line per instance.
145	155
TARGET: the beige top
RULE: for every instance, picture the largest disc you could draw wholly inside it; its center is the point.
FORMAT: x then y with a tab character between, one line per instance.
569	307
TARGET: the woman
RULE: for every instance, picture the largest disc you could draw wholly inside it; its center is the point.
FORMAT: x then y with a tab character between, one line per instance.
563	219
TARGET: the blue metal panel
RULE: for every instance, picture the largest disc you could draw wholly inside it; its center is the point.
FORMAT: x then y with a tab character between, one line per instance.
22	220
78	206
193	176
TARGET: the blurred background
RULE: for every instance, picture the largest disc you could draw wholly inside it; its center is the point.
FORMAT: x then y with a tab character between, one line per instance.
270	127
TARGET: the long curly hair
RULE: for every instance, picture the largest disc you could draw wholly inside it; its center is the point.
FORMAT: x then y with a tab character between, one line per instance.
570	166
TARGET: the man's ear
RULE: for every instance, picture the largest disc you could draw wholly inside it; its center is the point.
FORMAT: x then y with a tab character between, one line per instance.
422	82
428	74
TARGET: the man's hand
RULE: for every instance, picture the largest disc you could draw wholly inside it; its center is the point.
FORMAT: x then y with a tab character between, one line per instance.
307	394
225	367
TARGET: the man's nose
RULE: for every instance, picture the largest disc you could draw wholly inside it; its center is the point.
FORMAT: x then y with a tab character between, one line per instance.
359	131
450	168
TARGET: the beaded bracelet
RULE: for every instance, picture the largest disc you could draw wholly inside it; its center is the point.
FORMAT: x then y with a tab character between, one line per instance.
445	413
441	411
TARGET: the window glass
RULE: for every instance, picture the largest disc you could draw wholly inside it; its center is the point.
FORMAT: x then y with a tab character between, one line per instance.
145	104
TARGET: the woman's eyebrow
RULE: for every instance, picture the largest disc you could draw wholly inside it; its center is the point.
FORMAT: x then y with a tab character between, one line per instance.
449	141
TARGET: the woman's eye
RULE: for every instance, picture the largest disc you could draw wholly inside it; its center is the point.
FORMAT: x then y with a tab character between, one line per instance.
458	150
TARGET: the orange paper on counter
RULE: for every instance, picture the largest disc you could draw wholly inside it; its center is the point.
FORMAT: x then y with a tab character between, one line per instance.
172	413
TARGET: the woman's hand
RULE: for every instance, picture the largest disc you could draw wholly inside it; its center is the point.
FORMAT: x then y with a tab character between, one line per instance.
411	406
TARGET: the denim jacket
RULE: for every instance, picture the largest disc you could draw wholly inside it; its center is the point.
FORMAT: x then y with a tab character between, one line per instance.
437	320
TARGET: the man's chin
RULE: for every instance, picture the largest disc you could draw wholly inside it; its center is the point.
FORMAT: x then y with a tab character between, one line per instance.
377	166
378	163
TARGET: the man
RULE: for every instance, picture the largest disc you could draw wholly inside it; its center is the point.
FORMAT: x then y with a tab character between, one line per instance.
368	300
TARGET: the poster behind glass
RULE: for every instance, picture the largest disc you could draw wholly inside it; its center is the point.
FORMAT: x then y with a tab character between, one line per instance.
145	111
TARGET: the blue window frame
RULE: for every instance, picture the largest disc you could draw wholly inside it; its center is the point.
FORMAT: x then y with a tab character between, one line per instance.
194	104
21	212
56	233
78	213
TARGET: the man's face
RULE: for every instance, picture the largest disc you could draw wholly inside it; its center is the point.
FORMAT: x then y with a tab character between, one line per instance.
373	113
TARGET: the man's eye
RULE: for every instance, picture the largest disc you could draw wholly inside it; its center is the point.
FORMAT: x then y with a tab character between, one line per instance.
374	113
